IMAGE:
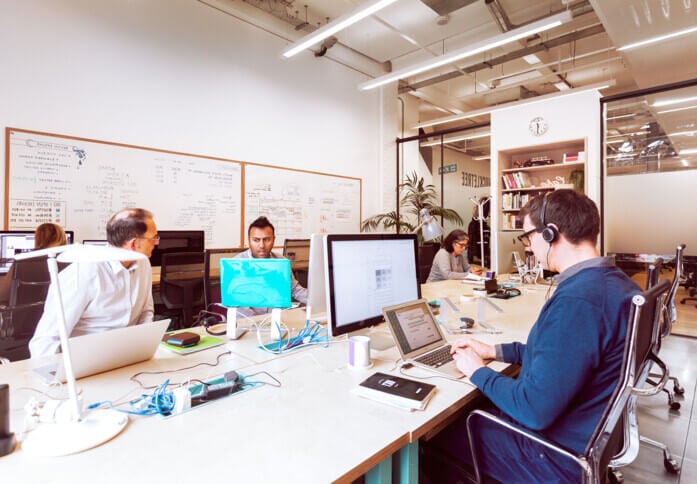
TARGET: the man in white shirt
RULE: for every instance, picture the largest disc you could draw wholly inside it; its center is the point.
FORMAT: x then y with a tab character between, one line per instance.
104	295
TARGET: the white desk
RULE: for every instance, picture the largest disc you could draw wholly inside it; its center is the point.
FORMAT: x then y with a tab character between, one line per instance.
312	429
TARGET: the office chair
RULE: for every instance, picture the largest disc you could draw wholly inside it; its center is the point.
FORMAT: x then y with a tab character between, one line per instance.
690	279
211	273
18	320
298	251
426	253
181	285
611	437
669	316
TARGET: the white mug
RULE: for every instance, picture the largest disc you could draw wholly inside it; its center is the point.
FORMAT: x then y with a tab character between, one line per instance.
359	352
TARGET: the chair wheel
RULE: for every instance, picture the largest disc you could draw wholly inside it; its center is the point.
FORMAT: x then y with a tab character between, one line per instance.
615	476
675	405
671	465
678	390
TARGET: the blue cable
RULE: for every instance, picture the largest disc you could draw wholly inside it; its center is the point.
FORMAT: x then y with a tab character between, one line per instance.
161	402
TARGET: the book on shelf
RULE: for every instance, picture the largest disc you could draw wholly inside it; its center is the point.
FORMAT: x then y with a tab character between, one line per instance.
396	390
573	156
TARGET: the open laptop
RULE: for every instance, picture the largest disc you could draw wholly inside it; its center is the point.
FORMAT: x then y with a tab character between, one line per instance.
108	350
419	338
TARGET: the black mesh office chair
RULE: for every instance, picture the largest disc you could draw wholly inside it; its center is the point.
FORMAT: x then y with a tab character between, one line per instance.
611	437
181	285
690	279
211	272
427	252
18	320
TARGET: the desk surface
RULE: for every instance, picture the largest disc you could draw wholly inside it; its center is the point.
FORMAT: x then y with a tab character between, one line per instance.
312	429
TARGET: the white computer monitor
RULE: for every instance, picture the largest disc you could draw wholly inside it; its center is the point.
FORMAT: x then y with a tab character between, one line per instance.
365	273
316	280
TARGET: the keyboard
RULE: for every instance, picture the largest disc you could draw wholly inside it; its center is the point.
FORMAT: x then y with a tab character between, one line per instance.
436	358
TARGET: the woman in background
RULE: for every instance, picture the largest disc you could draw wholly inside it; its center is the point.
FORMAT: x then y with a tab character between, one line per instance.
49	235
450	261
45	236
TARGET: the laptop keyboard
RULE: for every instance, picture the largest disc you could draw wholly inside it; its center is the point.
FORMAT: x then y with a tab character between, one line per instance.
436	358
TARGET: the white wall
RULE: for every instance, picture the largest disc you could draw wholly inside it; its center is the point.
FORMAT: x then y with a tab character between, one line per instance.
573	116
181	76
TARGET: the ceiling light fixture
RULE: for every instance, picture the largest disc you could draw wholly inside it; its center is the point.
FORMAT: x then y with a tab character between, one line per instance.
470	50
361	12
481	112
669	102
531	59
480	158
683	133
562	86
659	38
462	137
689	151
677	109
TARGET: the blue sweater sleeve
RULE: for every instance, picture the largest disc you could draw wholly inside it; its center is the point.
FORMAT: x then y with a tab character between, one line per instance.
562	350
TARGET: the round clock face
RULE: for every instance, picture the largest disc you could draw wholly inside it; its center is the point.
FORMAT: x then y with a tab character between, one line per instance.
538	126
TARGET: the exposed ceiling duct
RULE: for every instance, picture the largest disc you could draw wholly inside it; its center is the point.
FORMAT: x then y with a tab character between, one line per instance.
446	7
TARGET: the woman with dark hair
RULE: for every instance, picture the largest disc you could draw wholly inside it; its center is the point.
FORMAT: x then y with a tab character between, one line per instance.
450	261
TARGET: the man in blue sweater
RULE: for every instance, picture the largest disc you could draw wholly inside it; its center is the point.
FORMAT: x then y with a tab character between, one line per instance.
571	362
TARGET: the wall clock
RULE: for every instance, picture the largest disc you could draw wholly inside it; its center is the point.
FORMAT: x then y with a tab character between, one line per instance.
538	126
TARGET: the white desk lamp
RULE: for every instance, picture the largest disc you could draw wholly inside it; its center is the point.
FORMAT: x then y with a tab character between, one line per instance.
430	228
82	431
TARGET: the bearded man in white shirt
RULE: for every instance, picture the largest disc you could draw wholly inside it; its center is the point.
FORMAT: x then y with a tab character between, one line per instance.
103	295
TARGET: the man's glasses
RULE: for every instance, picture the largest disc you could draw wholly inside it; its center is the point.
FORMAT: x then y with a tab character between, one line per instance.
154	238
525	237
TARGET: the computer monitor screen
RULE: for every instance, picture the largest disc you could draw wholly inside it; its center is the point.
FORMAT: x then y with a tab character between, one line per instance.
365	273
316	281
177	241
17	241
256	283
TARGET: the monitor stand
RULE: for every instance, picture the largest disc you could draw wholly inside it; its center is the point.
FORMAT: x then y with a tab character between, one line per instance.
232	331
379	340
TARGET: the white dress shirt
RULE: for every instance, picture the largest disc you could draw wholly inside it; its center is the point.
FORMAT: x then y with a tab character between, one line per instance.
96	297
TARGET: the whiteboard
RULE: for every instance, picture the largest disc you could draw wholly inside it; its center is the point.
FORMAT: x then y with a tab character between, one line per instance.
300	203
80	183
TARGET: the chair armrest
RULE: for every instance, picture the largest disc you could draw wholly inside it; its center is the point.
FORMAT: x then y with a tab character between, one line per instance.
658	387
471	435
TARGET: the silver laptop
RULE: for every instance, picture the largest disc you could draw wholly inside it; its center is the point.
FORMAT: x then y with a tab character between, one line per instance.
108	350
419	338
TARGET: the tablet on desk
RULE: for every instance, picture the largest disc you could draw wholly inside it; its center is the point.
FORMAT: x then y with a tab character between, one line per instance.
108	350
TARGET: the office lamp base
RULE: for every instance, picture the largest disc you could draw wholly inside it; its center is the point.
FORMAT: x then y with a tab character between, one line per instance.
56	439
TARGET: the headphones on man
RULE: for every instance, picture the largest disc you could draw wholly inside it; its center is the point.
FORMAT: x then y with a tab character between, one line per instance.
549	232
208	319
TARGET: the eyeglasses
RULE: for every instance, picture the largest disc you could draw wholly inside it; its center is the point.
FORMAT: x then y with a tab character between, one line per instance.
525	237
461	244
154	238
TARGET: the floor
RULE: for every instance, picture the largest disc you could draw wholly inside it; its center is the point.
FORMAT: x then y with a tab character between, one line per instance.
677	429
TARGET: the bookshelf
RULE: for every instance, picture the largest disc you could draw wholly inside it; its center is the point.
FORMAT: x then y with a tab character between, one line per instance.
518	183
525	173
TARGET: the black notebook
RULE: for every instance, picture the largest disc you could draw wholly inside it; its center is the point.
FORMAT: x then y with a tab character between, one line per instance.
396	390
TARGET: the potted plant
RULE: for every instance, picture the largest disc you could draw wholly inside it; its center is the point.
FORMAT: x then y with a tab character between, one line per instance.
415	195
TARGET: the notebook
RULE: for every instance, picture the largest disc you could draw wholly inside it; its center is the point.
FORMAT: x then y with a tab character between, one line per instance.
419	338
95	353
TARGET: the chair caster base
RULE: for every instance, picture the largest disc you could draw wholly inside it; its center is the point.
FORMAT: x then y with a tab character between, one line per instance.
671	465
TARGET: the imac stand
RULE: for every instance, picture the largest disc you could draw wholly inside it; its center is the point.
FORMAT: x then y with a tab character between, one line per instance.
233	332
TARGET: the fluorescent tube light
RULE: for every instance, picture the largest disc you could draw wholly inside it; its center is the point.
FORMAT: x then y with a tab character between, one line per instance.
361	12
562	86
659	38
479	158
470	50
521	102
684	162
669	102
683	133
677	109
689	151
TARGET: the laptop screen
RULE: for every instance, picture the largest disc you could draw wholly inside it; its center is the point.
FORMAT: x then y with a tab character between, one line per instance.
413	326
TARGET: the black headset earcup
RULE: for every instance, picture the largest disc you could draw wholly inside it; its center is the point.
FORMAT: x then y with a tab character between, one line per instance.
549	234
211	321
